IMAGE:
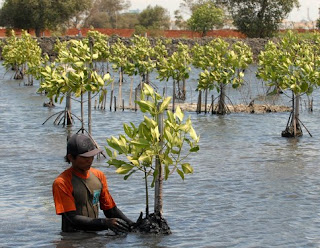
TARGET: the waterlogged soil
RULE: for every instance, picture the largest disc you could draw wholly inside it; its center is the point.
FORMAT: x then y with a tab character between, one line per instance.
152	223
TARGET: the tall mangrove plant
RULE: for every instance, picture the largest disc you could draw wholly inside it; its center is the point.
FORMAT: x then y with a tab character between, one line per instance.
74	75
23	54
292	64
221	64
177	67
157	147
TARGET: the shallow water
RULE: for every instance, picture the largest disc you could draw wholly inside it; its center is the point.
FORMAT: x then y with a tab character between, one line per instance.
250	187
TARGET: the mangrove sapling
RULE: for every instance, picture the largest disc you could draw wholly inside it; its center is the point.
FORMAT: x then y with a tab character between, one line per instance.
100	46
143	55
81	78
221	64
49	76
10	55
23	54
155	148
121	58
51	82
177	67
292	64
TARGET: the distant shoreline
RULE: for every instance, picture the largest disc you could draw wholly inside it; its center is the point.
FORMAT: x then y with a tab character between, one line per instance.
239	108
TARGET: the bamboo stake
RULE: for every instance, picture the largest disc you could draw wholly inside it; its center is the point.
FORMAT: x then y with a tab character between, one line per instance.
111	97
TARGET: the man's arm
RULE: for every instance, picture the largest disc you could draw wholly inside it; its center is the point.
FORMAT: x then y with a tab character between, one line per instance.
84	223
116	213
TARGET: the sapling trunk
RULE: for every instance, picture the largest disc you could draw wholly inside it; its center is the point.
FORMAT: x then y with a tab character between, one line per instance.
147	191
130	96
296	125
184	91
293	128
147	78
120	87
158	203
82	113
199	103
221	104
91	42
173	95
89	114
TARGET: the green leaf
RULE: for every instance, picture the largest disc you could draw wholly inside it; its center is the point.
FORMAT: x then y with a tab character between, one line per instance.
115	162
175	151
108	151
146	106
166	172
148	90
128	130
170	116
135	162
106	77
78	64
193	134
168	136
181	174
194	149
140	143
124	169
145	158
164	104
187	168
155	133
179	114
129	174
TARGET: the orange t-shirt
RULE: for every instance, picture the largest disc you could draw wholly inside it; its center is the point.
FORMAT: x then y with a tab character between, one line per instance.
63	191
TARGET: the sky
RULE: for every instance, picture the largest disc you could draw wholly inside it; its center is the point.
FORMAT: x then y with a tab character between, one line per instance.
309	9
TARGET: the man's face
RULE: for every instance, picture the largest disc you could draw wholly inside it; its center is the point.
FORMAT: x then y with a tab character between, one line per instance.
81	164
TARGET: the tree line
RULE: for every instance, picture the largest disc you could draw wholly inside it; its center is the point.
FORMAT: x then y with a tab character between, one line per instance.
254	18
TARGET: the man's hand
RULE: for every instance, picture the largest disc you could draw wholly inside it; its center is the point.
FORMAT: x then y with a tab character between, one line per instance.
117	225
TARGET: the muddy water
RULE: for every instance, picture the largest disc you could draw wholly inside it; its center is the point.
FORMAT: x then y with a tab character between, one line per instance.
250	188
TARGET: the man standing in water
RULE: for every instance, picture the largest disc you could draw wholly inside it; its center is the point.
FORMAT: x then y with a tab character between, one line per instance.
78	191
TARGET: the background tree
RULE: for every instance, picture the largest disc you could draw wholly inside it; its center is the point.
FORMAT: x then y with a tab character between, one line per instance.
98	20
155	17
205	17
39	14
188	6
105	13
103	20
179	21
128	20
318	23
260	18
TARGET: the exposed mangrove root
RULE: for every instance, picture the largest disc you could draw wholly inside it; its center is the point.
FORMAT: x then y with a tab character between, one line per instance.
289	132
49	104
62	116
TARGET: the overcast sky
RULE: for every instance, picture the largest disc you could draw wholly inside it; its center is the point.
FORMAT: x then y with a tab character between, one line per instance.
309	8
